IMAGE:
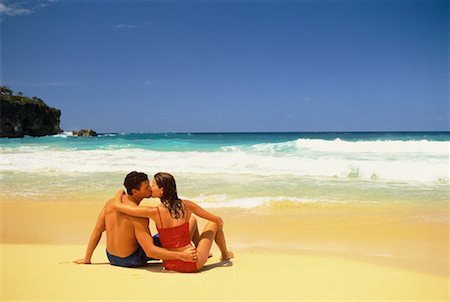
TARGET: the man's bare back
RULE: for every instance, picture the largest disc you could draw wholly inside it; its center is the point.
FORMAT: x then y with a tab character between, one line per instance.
121	230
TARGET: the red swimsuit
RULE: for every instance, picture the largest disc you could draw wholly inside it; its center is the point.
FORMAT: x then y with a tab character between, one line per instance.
176	237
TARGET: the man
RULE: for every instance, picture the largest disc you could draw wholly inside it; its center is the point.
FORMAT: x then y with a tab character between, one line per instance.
128	239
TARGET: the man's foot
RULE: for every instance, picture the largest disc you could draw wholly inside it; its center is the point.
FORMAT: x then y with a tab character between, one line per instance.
227	256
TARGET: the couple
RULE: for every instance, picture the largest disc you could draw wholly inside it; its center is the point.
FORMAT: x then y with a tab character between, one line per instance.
129	242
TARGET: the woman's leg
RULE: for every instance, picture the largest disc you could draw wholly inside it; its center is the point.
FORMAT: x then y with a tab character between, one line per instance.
207	238
193	230
222	244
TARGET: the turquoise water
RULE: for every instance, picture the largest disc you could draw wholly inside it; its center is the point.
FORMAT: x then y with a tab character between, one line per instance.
248	170
209	141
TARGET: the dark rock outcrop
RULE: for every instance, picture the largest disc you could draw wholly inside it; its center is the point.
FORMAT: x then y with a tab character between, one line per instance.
84	132
20	116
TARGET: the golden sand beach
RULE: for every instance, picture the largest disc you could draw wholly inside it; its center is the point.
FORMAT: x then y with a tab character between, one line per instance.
304	253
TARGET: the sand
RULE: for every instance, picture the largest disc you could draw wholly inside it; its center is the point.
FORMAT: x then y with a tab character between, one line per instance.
45	272
310	253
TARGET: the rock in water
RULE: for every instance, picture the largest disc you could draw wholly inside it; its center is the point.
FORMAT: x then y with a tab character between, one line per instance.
20	116
84	132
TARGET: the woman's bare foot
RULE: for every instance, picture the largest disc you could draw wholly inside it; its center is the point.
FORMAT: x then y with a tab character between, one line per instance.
227	256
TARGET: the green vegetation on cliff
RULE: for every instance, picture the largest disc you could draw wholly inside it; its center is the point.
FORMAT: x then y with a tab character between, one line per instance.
8	95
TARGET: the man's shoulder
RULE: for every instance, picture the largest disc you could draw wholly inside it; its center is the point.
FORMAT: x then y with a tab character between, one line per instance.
109	205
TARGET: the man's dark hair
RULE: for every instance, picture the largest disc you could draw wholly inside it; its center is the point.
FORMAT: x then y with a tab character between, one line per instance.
133	181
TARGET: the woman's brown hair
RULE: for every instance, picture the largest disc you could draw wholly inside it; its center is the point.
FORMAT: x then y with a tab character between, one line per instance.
170	197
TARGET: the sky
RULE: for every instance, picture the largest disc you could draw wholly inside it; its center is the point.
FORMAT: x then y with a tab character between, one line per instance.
232	66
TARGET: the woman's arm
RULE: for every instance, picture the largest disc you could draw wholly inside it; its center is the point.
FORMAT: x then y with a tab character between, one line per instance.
201	212
132	210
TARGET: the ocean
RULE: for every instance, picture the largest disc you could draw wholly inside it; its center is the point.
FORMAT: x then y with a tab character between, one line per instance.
235	170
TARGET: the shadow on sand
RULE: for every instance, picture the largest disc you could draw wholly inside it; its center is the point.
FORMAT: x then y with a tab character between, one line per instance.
156	267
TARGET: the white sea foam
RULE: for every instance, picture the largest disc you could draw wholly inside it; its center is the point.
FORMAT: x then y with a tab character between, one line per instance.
422	146
340	146
423	161
64	134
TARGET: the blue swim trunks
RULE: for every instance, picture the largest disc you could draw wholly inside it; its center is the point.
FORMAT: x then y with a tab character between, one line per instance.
137	258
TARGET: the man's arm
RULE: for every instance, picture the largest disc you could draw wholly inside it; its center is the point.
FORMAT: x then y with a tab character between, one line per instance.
95	238
145	240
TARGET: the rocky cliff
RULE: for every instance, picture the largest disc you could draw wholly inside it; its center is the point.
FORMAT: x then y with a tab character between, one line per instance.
20	116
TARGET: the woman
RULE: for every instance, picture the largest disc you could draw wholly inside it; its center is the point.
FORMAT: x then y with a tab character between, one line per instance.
172	221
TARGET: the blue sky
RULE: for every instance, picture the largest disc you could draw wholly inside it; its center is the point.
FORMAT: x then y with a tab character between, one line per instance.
225	66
